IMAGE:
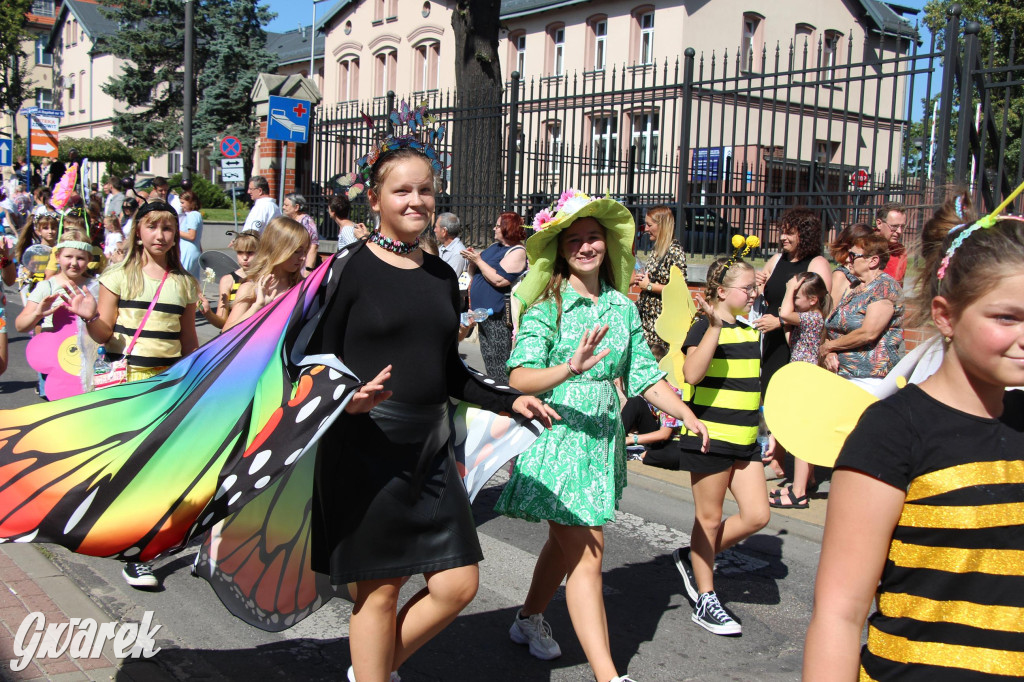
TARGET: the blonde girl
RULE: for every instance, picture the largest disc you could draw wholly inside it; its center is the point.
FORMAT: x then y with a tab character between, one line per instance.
73	254
245	246
40	228
151	270
924	524
275	269
113	238
723	366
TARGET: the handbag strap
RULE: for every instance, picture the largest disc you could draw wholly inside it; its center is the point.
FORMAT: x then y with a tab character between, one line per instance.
156	297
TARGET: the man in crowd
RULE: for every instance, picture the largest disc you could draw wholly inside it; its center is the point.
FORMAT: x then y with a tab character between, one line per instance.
447	229
115	197
264	208
162	191
890	219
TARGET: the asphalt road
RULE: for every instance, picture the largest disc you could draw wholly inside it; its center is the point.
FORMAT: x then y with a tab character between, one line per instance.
766	582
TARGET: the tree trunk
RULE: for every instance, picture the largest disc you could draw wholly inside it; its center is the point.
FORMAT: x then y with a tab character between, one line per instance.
477	166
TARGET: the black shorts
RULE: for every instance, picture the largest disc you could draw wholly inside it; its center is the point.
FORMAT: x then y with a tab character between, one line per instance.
697	462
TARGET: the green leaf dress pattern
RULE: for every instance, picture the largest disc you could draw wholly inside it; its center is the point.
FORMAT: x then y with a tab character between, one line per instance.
575	471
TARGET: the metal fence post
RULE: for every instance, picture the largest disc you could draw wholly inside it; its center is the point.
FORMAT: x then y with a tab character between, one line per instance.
949	68
683	187
964	123
513	133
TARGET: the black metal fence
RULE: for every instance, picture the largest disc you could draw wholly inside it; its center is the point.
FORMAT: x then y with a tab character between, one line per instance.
730	141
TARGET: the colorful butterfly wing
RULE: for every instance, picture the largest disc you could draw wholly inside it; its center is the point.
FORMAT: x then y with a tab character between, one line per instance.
134	470
258	560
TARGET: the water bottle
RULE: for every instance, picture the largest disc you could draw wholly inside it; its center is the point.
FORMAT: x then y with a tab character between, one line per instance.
481	314
762	434
101	366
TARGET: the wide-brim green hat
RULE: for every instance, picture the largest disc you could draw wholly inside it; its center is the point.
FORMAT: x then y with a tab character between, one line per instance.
542	247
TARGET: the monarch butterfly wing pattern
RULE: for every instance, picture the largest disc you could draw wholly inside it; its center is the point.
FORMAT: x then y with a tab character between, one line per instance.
133	471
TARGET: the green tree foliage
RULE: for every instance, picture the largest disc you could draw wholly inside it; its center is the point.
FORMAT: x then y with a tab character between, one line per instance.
210	195
15	85
1000	40
230	50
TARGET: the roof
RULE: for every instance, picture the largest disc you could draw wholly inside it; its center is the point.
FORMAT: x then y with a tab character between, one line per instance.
332	12
888	18
89	17
510	9
293	46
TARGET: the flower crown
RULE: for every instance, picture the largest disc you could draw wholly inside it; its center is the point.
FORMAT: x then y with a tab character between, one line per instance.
741	246
570	201
981	224
422	135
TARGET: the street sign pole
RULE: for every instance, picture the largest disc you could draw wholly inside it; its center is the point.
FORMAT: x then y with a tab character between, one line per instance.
28	155
284	159
234	205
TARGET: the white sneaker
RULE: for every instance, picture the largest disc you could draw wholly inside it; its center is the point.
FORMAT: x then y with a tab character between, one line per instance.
536	632
624	678
352	676
709	614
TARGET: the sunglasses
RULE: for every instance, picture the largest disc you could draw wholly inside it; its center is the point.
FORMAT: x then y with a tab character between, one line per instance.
855	256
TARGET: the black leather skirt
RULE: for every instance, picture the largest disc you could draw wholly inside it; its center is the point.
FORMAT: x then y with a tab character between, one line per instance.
388	500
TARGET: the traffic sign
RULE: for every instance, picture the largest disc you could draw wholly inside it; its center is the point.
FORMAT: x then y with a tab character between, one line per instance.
860	178
288	120
45	132
231	147
39	111
6	152
232	170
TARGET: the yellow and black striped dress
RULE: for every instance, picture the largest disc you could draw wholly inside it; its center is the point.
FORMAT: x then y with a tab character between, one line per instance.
951	597
727	399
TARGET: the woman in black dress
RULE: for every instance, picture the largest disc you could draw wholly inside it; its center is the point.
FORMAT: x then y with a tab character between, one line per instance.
388	500
800	239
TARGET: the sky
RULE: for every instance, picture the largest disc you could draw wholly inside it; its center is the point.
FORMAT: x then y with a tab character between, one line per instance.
292	13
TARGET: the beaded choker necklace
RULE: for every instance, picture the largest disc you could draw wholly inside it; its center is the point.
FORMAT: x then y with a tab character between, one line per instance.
393	245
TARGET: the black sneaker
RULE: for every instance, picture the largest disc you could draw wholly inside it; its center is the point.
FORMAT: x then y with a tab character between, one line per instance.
139	575
710	615
682	558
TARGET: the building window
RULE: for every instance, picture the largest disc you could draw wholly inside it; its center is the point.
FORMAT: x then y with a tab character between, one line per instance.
604	143
646	21
599	27
70	83
803	36
174	161
43	8
144	167
825	151
392	10
556	61
554	140
387	66
425	12
830	53
428	56
519	52
44	98
646	135
348	79
751	42
81	92
43	58
348	28
378	10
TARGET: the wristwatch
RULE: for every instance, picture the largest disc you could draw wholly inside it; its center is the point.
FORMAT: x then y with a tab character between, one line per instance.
636	439
650	287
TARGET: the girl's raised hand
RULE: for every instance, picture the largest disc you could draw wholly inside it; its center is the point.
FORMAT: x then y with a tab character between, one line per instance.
584	358
535	408
370	394
709	311
81	302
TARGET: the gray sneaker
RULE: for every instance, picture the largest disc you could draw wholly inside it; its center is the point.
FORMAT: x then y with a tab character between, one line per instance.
681	557
536	632
709	614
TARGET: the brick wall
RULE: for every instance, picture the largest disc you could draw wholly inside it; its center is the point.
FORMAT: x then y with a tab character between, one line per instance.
267	159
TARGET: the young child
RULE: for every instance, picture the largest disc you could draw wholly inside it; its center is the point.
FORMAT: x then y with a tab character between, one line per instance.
245	245
924	511
113	239
276	268
804	309
73	263
723	365
40	228
150	271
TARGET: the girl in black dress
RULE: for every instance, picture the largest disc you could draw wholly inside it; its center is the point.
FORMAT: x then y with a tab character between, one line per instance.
388	500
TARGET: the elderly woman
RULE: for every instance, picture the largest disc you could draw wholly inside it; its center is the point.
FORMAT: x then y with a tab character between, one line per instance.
865	332
296	207
842	277
660	224
494	271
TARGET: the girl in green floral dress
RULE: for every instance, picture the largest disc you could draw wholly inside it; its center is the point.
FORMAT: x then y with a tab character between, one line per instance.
578	334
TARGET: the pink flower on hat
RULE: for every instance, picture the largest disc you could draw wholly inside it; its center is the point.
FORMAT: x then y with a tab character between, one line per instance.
543	217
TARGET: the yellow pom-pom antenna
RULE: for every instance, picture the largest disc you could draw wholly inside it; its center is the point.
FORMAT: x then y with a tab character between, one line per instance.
753	242
738	241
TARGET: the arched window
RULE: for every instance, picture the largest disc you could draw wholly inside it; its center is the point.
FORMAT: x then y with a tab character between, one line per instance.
642	35
428	56
517	51
386	71
556	50
348	79
830	45
752	43
597	43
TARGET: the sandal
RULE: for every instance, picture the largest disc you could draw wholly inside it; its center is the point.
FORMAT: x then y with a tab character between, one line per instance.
793	503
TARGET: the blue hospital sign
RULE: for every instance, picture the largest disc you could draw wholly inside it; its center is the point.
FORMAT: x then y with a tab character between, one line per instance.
288	119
